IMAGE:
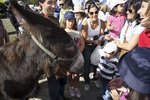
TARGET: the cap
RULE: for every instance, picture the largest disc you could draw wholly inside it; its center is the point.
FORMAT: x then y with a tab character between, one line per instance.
69	15
110	47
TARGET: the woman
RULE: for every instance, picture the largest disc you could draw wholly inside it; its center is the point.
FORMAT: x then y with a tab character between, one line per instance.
92	28
144	39
131	30
80	16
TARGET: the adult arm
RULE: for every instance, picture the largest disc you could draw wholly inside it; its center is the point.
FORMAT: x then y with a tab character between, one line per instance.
131	44
82	44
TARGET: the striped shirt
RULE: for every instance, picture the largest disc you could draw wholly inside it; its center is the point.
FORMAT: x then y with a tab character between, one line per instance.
108	68
3	36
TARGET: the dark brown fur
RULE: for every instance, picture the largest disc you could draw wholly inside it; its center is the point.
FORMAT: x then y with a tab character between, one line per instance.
22	61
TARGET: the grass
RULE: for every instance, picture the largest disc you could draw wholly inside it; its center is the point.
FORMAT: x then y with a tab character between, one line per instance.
12	37
10	29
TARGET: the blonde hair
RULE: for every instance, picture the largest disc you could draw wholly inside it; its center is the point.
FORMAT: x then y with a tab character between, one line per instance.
104	8
146	21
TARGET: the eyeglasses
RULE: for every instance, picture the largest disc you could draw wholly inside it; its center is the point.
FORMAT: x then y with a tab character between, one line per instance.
130	11
91	13
61	4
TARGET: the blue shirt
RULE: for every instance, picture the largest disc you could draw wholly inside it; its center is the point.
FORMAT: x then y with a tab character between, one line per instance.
79	2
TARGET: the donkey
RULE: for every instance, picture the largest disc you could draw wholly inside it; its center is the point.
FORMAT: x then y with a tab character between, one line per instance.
44	47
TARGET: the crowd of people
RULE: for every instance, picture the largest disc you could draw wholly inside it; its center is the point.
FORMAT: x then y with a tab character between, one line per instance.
120	27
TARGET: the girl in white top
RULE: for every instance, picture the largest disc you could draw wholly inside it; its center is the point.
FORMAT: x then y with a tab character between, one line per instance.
92	28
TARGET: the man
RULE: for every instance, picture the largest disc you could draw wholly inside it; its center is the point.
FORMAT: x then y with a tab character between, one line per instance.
63	4
56	86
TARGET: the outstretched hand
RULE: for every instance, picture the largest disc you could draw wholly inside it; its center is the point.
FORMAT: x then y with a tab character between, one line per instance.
116	83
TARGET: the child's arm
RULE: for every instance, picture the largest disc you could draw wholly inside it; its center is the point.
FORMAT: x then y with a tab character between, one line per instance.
109	26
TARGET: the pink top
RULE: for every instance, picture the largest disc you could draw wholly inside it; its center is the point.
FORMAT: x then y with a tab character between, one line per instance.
124	94
117	22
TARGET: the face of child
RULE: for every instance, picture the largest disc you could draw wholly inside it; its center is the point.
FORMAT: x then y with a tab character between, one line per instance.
70	23
109	55
120	8
143	9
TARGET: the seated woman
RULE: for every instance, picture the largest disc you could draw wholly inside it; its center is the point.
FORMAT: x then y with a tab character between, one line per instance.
130	32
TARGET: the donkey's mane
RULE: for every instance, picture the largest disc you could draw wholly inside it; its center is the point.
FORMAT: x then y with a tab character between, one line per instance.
23	61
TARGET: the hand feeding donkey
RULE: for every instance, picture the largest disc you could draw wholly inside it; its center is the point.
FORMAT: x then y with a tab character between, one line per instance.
43	48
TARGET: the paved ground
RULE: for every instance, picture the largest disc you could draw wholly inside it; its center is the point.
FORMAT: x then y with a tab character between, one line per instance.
90	95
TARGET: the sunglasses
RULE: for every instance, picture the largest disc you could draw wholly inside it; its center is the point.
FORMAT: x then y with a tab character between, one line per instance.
61	4
91	13
130	11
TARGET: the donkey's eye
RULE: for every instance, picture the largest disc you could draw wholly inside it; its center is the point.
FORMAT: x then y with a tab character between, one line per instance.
49	2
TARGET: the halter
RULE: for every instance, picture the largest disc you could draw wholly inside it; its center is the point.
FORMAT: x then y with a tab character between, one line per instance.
54	57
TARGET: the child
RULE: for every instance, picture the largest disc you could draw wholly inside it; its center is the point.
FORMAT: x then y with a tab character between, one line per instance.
70	26
116	19
107	69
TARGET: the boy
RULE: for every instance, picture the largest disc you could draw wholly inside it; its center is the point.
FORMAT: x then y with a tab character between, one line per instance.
107	68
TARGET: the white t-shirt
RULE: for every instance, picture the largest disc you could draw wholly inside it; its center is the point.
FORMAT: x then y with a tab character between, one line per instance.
132	29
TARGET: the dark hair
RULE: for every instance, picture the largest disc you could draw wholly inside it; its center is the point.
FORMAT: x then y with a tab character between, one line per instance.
136	5
41	1
64	0
91	6
113	12
83	14
89	2
74	26
134	95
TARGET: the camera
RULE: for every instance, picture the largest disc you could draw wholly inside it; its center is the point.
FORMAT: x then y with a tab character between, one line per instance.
95	37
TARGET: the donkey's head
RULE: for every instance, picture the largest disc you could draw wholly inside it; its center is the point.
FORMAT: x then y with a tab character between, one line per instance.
54	47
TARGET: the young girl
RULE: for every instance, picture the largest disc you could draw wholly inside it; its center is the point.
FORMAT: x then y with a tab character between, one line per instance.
116	19
70	26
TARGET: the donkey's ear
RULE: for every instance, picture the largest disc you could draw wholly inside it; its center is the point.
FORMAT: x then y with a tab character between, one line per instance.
33	19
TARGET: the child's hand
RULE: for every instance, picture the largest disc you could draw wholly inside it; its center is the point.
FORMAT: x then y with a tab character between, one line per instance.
107	37
111	28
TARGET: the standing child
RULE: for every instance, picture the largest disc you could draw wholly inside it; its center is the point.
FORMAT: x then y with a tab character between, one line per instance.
107	69
70	26
116	19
